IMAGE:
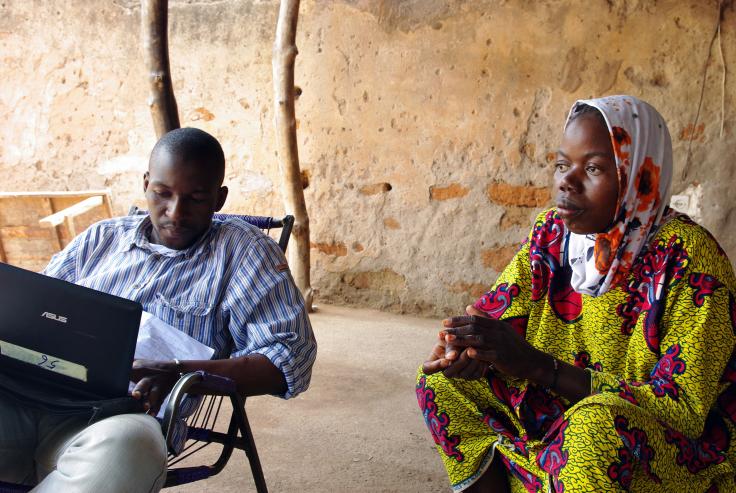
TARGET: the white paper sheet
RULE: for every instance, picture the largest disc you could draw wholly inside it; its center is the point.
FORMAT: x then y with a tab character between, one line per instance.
158	340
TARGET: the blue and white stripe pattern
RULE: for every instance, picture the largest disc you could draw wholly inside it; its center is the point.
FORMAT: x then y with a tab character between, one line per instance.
231	290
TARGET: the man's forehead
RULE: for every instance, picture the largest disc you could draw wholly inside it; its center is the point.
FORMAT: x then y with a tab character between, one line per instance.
180	182
196	174
174	157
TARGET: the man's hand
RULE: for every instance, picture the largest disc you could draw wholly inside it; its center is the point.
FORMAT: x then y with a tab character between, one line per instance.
155	380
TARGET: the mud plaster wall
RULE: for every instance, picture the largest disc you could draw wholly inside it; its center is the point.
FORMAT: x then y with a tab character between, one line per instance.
426	127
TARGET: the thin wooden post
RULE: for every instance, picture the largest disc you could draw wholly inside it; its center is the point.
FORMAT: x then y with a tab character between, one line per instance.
51	210
154	30
284	55
107	201
69	221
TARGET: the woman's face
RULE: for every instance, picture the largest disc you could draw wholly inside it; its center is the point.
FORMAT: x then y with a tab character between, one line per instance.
586	181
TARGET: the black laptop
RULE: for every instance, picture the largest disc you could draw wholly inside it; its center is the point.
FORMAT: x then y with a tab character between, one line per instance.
65	339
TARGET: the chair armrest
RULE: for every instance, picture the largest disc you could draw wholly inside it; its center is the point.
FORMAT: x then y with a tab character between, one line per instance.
195	383
213	385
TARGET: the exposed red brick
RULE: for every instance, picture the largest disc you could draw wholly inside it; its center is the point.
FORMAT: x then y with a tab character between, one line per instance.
385	280
476	290
375	188
357	247
692	132
498	258
453	191
201	114
522	196
336	249
391	223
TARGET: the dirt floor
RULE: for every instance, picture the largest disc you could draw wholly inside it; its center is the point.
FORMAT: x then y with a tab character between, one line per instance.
358	427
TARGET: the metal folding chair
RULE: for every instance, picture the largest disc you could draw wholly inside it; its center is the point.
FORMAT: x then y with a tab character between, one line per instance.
202	425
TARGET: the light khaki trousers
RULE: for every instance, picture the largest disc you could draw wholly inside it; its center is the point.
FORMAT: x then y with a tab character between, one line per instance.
121	454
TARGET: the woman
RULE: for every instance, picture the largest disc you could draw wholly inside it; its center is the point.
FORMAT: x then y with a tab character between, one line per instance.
601	360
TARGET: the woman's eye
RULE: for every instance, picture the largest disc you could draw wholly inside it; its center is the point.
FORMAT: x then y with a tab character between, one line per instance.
561	167
592	169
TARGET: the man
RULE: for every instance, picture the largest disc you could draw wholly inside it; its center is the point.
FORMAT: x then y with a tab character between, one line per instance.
224	283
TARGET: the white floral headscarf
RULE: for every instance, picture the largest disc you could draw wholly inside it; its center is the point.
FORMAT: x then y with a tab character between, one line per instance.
643	152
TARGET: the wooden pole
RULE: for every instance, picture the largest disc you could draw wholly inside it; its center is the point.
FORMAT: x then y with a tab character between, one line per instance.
154	30
52	210
284	55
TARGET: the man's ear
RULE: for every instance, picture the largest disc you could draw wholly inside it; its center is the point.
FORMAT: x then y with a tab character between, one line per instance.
146	175
221	197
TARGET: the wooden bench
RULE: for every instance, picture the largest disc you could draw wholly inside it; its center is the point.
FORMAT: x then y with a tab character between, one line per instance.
36	225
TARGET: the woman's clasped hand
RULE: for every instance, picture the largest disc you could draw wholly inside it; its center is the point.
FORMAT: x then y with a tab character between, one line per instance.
471	345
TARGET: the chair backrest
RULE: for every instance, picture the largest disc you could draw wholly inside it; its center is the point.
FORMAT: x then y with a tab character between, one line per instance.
265	223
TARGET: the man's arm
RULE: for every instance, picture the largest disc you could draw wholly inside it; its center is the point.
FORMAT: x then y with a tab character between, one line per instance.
268	317
253	375
274	347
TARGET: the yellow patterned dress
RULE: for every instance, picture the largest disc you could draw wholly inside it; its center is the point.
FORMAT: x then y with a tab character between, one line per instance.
662	412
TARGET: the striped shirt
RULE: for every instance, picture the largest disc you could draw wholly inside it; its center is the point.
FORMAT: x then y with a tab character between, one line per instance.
231	290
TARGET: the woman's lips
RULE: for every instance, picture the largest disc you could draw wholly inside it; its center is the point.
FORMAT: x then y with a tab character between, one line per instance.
567	211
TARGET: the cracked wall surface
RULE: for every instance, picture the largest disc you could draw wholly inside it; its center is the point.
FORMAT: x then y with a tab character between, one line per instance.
427	128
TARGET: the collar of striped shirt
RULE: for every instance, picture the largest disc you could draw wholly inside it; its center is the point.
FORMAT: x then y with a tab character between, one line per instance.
139	237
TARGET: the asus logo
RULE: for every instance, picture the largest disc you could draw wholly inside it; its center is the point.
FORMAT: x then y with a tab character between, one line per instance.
54	316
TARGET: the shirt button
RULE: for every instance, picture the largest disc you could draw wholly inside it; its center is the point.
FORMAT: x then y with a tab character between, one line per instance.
136	286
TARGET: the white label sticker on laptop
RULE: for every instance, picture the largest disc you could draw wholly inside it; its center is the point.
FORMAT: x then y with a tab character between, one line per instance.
45	361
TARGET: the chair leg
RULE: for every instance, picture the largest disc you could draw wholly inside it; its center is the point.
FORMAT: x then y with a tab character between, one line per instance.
241	419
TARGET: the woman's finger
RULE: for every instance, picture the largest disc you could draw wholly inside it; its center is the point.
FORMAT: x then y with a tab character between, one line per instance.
458	321
434	366
466	340
461	330
457	366
452	352
486	356
438	351
473	371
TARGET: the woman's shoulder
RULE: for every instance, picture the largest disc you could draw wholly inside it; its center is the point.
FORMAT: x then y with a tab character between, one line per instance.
548	232
696	244
547	221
